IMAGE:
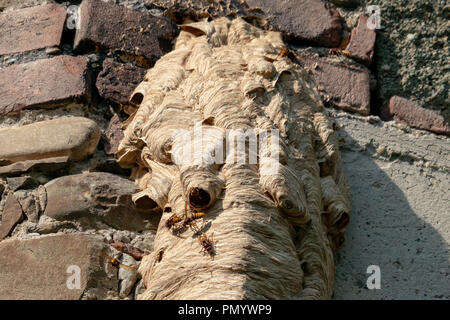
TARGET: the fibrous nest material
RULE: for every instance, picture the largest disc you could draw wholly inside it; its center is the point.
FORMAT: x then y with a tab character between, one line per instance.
274	222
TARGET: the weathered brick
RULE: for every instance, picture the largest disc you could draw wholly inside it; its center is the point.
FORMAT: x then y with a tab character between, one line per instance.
343	86
113	135
46	83
299	20
31	28
39	268
74	137
12	215
405	111
362	42
115	27
117	81
304	20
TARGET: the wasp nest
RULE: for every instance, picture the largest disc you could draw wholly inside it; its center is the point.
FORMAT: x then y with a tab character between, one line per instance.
262	224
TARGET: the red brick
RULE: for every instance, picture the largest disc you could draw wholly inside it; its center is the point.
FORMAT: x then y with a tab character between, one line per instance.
412	114
362	42
114	27
117	81
342	86
43	83
12	215
304	20
31	28
113	135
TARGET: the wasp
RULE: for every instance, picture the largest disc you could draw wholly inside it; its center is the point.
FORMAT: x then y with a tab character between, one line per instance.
339	52
283	53
195	215
116	263
207	244
174	219
189	220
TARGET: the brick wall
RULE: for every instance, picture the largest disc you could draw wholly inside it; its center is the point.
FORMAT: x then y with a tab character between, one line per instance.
66	74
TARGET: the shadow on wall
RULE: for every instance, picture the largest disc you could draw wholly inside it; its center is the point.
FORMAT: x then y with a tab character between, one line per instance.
397	221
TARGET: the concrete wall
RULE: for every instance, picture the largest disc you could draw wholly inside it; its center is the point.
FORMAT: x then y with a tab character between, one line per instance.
400	217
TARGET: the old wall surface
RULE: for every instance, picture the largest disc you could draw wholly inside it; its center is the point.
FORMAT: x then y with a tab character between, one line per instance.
400	212
64	96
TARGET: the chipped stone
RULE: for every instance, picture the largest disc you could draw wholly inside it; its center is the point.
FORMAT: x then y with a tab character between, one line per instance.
113	135
25	182
11	216
128	275
74	137
46	165
43	266
97	199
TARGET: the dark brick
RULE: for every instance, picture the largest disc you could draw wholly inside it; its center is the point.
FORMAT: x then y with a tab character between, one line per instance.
11	216
46	83
31	28
412	114
181	11
343	86
362	42
117	81
113	135
115	27
301	20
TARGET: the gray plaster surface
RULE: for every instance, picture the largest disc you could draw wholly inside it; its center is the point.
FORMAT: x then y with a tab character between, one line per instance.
400	217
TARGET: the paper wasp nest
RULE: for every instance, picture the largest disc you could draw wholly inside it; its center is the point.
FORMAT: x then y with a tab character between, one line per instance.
274	216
